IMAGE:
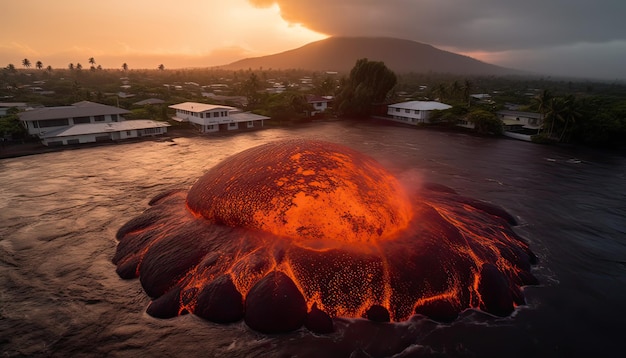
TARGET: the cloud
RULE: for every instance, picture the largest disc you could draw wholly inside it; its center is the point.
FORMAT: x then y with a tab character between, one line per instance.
492	27
468	24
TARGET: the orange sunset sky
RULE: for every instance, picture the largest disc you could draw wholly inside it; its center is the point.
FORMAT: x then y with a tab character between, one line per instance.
144	33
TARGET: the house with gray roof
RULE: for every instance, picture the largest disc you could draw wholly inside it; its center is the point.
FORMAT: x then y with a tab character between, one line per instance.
86	122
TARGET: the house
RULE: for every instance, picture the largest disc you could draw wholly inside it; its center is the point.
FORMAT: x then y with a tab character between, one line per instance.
216	117
86	122
5	106
319	103
530	120
520	125
414	112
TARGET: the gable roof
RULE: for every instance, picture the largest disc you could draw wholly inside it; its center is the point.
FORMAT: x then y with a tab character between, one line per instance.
78	109
421	105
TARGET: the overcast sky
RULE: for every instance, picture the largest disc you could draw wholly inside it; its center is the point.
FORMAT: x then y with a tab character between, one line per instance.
563	37
582	38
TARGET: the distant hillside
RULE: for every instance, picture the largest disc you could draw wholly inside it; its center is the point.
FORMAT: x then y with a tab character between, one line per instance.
401	56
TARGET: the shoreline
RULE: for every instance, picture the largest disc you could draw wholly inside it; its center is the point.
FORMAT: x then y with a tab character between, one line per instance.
23	149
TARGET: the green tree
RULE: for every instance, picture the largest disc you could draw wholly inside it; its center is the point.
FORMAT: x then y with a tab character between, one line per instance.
10	125
11	68
161	67
250	88
39	65
468	86
26	63
125	66
543	102
286	106
70	66
456	90
369	83
485	122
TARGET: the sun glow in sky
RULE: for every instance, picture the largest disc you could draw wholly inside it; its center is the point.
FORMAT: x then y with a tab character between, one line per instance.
143	33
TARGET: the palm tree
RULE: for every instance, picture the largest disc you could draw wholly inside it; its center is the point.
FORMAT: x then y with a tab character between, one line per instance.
455	89
441	91
468	86
79	66
11	68
70	66
49	69
569	113
543	103
161	67
124	67
92	61
26	63
39	65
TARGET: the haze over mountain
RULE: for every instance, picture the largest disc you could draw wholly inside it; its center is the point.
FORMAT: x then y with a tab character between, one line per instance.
401	56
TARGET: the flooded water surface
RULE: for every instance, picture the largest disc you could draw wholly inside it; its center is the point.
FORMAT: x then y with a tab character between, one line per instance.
59	212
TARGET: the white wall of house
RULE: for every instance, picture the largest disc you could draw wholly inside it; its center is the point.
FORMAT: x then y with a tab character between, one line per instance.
410	116
95	137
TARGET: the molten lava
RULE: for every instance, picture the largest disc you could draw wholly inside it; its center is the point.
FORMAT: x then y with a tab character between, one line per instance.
296	232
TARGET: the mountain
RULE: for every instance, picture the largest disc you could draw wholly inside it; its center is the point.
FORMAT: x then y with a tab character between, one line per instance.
341	53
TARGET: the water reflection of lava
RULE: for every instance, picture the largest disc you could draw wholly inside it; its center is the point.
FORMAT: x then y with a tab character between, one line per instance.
295	232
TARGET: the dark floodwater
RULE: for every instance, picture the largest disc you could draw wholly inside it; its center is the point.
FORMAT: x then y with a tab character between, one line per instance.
59	212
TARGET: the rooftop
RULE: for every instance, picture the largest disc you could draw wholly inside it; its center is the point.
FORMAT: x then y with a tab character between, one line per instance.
200	107
421	105
94	128
79	109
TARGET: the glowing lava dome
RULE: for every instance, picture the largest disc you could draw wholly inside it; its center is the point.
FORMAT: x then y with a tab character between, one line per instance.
295	232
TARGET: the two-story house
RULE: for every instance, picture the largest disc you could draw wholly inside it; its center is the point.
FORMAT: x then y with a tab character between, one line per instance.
214	117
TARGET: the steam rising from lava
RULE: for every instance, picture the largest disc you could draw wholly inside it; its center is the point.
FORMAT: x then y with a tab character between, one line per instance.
295	232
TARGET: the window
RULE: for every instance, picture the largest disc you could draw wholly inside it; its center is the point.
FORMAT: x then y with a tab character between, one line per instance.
128	133
73	141
98	118
233	125
81	120
407	111
250	124
152	130
54	123
113	116
397	109
216	114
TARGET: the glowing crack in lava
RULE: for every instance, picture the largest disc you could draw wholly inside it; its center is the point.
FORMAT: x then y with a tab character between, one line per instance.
295	232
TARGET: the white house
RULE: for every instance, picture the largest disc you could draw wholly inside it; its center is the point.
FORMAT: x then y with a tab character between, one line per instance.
86	122
414	112
215	117
319	103
530	120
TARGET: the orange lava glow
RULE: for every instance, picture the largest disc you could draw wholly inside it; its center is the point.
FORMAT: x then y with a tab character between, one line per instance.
320	227
320	195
